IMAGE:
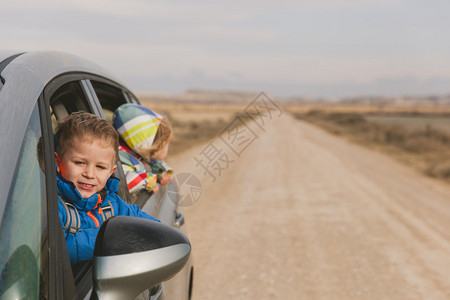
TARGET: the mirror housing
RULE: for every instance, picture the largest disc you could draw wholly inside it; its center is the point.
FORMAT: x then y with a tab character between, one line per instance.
133	254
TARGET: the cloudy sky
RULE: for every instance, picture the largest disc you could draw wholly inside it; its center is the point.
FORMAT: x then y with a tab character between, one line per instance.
320	48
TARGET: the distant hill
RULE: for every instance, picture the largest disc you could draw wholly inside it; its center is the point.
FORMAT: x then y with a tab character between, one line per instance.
238	97
400	101
201	96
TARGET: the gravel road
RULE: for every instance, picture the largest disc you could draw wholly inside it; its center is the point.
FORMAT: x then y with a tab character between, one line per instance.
302	214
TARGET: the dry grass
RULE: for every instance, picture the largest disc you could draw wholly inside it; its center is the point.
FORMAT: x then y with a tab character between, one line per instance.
427	148
195	123
368	109
190	133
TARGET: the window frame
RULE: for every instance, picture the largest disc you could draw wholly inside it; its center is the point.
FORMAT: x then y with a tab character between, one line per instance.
127	94
81	283
60	273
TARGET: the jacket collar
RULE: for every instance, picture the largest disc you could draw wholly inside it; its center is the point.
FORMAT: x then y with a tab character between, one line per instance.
70	194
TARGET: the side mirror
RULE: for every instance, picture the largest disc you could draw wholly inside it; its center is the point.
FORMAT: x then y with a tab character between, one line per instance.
133	254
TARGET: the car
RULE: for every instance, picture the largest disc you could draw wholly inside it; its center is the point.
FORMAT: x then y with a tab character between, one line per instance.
37	89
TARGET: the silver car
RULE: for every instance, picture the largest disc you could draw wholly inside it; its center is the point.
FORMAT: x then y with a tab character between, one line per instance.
36	90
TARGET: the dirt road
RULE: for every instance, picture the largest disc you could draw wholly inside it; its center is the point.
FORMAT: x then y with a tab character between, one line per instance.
302	214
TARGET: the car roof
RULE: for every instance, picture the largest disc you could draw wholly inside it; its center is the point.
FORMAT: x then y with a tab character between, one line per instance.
22	81
4	54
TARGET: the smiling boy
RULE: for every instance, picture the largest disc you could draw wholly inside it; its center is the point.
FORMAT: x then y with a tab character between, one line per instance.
86	154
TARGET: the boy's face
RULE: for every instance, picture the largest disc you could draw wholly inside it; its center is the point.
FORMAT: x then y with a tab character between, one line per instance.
88	165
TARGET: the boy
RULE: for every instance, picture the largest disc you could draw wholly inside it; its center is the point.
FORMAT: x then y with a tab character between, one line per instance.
144	142
86	154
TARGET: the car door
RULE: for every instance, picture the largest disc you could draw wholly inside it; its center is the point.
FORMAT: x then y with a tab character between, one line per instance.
98	95
62	96
74	92
34	262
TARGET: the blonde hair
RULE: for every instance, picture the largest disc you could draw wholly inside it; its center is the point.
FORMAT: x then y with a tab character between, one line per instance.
163	137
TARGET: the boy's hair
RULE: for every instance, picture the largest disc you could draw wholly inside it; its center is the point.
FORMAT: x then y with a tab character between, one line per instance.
163	136
87	126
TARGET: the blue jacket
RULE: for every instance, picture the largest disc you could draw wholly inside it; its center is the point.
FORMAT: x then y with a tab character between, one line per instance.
81	244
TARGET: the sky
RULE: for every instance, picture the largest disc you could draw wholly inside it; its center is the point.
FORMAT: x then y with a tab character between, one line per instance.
289	48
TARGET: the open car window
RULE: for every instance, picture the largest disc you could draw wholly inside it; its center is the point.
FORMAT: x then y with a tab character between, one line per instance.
68	98
109	96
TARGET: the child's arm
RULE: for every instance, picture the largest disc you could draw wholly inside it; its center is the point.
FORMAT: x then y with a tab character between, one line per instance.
165	178
163	171
133	210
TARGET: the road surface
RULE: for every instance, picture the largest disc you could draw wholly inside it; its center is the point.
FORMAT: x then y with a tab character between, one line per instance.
303	214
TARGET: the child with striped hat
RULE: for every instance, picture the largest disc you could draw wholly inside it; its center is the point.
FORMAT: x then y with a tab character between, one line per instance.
144	142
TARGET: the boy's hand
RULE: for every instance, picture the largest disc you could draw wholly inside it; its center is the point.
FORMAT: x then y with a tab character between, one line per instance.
165	179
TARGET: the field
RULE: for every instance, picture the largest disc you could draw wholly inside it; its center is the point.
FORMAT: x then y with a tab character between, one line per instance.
417	135
420	140
413	122
194	123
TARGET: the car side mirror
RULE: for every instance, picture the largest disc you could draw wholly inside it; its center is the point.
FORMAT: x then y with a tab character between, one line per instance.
133	254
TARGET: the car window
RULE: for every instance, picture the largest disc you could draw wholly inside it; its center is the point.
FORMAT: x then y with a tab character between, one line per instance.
68	98
132	98
23	232
110	97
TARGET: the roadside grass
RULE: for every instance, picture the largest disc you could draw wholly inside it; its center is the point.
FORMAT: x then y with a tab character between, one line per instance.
196	123
189	133
426	149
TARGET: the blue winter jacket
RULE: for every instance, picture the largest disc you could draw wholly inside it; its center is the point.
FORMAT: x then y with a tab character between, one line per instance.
81	244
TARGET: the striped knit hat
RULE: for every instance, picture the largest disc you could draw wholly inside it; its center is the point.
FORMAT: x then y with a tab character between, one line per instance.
137	126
